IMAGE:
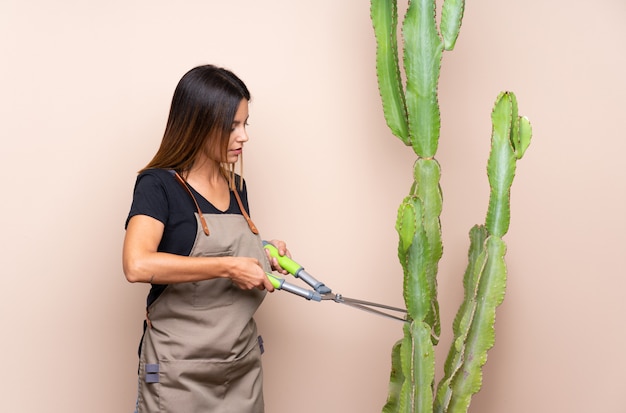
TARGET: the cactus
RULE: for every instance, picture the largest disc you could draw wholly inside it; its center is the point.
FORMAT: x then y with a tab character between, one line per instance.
412	113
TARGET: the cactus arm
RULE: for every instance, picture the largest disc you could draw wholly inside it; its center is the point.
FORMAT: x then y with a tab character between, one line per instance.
412	252
451	17
418	363
427	174
522	140
384	15
485	277
462	321
396	380
481	334
501	164
422	61
417	352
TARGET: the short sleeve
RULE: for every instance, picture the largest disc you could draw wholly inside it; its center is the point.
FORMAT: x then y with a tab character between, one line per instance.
149	198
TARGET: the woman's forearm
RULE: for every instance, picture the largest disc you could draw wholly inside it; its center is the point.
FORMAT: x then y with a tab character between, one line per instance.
165	268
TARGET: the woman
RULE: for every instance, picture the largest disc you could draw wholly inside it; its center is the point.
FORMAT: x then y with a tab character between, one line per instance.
188	233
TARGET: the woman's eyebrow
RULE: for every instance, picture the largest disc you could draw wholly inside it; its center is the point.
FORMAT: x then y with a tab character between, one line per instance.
237	122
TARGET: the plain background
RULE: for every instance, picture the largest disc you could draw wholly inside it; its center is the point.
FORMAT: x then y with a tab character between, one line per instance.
86	87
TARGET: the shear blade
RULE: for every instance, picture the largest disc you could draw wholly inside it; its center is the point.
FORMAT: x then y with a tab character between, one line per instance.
366	306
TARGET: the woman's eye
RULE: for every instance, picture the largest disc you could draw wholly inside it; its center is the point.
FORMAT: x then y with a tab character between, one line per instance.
232	128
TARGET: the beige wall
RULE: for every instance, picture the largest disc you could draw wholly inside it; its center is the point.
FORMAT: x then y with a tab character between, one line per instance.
85	93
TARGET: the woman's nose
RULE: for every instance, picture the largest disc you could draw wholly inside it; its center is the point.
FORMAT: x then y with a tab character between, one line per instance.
243	136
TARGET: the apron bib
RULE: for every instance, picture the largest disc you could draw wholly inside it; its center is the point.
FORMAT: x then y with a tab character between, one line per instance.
200	351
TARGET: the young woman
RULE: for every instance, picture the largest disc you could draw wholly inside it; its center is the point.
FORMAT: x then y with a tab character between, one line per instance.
189	234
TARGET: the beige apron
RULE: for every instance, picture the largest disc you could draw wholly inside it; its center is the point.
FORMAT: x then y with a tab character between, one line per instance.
200	351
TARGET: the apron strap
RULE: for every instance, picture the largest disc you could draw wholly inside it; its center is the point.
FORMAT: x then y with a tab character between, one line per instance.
205	227
181	181
253	227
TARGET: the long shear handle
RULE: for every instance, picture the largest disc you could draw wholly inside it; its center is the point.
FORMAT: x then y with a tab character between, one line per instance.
281	284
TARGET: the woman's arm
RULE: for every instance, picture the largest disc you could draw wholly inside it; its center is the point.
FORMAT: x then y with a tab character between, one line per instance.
143	263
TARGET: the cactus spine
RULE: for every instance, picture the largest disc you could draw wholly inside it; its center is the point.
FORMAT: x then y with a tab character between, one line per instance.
412	114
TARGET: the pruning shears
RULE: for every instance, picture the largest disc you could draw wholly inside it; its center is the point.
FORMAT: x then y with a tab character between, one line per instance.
319	291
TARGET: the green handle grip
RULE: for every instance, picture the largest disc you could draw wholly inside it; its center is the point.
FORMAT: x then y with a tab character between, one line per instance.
287	263
276	282
296	270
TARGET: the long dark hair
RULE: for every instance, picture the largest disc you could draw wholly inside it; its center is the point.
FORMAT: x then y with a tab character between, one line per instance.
201	116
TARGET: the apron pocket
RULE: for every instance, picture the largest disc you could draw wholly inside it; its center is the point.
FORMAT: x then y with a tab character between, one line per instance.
212	386
191	386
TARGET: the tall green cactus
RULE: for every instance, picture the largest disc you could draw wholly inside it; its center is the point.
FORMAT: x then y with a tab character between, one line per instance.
412	114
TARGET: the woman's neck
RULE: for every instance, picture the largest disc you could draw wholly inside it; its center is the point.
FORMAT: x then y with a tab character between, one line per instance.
207	171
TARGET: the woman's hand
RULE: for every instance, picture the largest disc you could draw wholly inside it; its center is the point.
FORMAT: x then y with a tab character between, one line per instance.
282	250
247	273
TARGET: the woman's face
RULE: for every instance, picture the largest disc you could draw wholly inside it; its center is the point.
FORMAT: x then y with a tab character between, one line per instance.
238	134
